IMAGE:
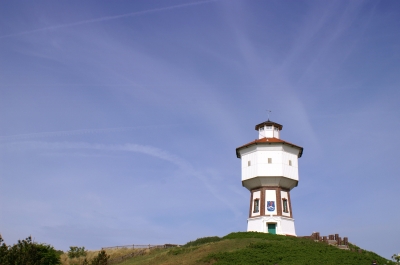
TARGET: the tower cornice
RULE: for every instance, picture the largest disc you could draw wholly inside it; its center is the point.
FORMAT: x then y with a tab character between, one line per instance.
269	141
278	181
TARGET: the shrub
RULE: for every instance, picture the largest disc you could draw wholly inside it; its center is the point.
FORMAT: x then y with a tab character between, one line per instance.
26	252
240	235
76	252
101	259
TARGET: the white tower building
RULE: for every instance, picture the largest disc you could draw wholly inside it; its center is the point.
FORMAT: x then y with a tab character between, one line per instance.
270	172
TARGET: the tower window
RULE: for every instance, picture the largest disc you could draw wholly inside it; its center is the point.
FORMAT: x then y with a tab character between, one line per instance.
290	162
285	207
275	128
269	127
248	163
269	160
256	206
261	128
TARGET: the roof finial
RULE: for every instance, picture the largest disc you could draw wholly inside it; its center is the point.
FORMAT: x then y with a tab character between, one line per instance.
268	113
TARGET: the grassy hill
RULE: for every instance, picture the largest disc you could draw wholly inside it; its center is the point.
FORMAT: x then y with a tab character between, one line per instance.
255	248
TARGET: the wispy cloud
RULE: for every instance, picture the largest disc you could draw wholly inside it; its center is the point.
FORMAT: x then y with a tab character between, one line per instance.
107	18
181	163
75	132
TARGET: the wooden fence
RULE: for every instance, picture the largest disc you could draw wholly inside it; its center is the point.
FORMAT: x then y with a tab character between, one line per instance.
136	246
141	252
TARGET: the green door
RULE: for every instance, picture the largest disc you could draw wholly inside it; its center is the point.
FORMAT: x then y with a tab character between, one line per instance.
272	228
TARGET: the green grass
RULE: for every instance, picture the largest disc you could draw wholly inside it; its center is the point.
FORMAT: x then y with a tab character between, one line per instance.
244	248
202	241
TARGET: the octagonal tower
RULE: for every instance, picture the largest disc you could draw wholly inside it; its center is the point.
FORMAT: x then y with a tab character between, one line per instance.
270	172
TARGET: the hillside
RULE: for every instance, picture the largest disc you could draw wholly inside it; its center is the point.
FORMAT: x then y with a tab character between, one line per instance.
254	248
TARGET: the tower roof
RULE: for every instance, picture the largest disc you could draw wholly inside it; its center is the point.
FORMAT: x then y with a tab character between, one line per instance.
269	123
269	141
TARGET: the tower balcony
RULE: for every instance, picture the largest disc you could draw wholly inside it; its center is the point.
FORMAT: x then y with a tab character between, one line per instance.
284	182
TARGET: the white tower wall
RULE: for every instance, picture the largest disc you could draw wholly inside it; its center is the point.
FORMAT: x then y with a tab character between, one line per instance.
269	162
284	226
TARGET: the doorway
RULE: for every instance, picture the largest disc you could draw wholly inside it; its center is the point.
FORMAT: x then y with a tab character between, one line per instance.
272	228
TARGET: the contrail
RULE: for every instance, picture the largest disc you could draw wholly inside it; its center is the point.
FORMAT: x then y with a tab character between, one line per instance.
76	132
106	18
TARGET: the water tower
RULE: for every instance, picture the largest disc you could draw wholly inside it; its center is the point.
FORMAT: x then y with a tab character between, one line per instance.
270	172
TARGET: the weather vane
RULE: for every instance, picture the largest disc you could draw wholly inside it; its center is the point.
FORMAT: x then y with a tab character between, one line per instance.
268	111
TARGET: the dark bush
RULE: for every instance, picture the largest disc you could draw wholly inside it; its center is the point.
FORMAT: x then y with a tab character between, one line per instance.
240	235
26	252
101	258
76	252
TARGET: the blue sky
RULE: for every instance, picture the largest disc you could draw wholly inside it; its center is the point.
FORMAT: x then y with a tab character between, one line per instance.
119	120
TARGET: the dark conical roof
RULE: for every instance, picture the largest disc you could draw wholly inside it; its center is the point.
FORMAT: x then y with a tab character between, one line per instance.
269	123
